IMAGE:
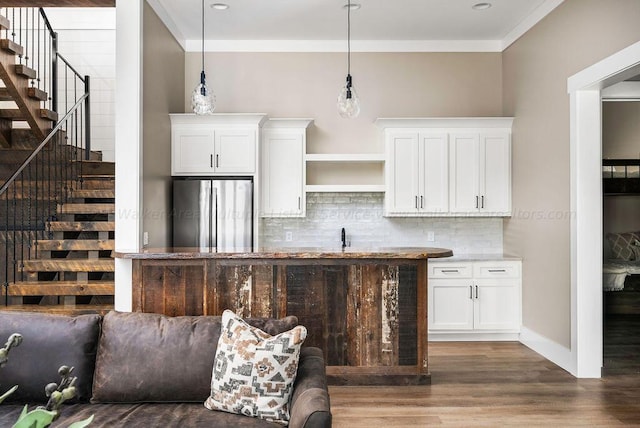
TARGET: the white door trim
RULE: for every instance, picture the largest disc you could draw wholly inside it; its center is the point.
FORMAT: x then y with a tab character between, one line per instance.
586	204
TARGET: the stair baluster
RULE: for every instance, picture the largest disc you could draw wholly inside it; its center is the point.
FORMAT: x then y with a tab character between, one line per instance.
49	181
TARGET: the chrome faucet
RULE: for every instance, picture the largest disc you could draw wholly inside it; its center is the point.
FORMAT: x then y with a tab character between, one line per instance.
344	238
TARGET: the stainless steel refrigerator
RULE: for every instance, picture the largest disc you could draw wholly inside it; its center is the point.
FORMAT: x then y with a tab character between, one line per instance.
213	214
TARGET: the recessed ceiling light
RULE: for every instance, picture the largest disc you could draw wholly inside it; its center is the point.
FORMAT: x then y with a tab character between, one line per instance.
354	6
481	6
220	6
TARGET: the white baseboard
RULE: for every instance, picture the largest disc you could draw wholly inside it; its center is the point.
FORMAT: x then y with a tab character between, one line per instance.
552	351
473	337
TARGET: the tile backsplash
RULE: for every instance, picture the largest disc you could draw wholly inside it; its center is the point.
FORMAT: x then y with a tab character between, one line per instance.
361	214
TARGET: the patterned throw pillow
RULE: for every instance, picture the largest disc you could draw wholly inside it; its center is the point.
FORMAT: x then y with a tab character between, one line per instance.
621	244
254	372
636	250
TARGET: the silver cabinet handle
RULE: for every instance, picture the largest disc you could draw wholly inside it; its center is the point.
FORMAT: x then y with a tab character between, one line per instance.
471	292
211	161
476	201
482	201
299	202
497	270
450	271
416	201
476	291
217	161
421	201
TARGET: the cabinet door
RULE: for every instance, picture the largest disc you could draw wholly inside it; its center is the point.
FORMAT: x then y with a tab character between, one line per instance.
497	304
450	304
495	171
464	173
282	174
235	151
434	173
192	151
402	179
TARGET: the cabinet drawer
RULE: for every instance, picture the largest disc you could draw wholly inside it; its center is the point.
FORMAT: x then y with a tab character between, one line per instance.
497	270
450	270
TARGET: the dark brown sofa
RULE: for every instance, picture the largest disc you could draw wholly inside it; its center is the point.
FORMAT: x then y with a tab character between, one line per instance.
141	370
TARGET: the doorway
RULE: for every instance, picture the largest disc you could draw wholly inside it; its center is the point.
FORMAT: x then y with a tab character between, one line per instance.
586	203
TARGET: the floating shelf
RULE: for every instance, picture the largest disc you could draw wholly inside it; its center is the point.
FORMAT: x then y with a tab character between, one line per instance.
336	188
367	157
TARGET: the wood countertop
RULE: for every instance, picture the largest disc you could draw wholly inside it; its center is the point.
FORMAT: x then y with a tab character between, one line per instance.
410	253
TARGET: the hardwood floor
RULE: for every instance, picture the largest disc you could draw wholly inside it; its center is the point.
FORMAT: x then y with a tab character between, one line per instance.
492	384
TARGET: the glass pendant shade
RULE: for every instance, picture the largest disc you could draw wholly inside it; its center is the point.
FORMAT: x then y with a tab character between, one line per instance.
203	101
348	106
348	101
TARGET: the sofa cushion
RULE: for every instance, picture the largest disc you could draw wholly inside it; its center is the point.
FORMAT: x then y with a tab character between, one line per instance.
254	372
49	341
155	358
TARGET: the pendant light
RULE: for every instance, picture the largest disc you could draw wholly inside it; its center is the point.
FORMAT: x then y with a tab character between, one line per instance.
348	102
202	99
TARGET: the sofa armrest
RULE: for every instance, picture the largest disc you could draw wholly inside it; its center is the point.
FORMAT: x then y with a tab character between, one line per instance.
310	406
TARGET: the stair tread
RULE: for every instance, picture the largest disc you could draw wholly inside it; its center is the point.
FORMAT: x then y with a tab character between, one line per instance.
60	309
69	265
11	46
61	288
37	94
87	208
5	95
5	24
25	71
94	193
76	244
82	226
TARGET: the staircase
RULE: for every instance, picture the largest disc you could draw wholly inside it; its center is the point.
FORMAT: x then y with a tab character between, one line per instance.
56	211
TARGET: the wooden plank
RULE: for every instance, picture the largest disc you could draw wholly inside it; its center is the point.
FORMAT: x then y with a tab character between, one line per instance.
61	288
281	291
335	322
5	24
24	71
421	284
59	3
94	193
209	298
262	298
60	309
371	315
69	265
4	94
12	47
233	289
380	375
389	346
82	226
137	286
37	94
174	289
87	208
354	329
76	244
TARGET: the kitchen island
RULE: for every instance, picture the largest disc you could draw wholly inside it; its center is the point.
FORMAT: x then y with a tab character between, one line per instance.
367	309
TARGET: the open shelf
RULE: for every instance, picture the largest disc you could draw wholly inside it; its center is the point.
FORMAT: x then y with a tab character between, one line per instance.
345	172
331	188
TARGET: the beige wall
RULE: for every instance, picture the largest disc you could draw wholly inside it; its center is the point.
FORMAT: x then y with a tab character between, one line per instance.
163	93
621	140
621	130
388	84
535	68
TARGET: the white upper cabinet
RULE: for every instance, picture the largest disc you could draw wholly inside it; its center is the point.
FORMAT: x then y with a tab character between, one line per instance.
480	168
416	173
448	166
219	144
283	148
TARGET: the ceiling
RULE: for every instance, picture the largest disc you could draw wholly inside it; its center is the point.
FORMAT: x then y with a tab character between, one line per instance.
425	23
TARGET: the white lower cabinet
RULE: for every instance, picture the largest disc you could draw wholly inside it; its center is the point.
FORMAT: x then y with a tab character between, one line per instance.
474	300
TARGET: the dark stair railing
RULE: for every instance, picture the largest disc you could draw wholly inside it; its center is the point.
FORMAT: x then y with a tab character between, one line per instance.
29	198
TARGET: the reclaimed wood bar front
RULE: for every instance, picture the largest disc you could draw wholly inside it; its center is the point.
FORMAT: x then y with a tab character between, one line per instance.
366	309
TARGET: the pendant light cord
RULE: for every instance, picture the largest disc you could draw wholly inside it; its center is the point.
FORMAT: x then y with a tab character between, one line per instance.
349	37
203	36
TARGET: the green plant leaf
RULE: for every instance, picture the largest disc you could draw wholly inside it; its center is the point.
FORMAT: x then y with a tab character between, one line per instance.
37	418
81	424
8	393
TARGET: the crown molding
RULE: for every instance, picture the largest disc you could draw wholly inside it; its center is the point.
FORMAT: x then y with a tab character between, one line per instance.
536	16
340	46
